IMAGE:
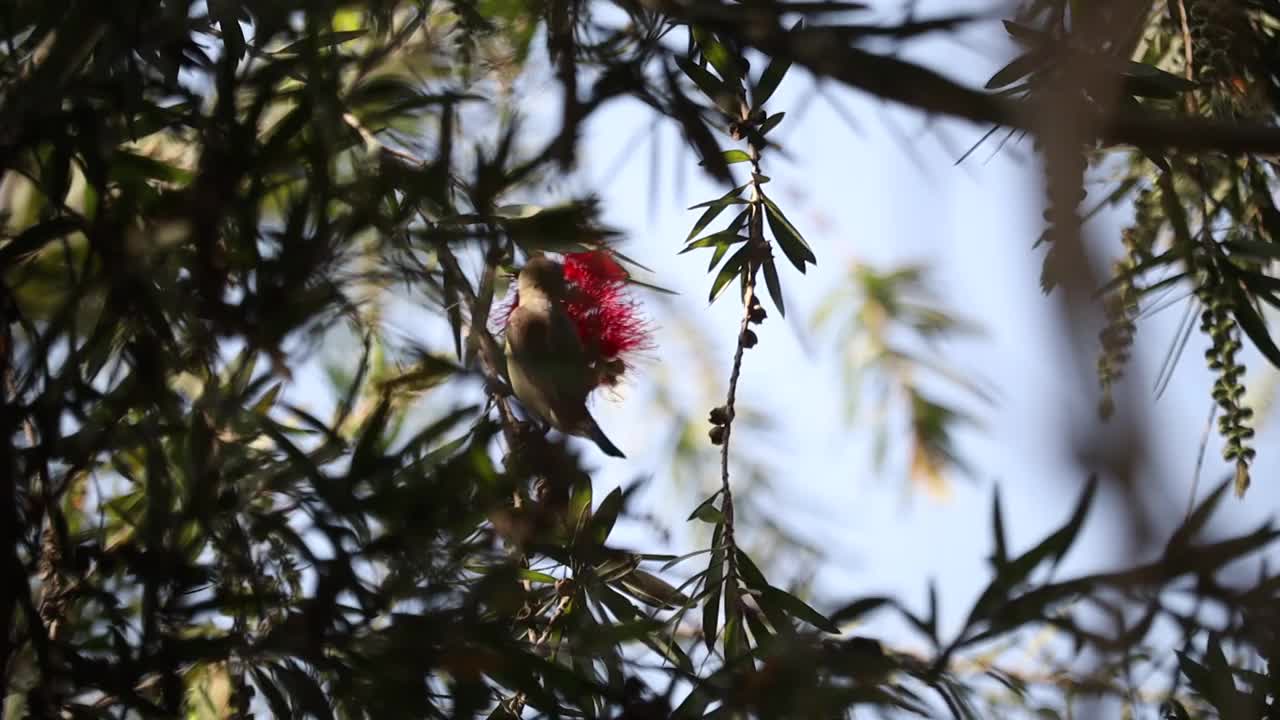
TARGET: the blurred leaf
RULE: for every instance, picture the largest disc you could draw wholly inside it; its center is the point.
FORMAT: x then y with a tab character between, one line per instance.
330	39
798	609
711	86
653	590
772	77
1019	67
771	122
718	55
606	515
855	610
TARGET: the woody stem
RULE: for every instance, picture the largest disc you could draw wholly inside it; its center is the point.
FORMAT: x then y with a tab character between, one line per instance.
759	247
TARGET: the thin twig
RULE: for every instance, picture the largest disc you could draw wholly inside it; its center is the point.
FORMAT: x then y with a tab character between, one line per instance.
760	246
1204	445
1193	104
826	52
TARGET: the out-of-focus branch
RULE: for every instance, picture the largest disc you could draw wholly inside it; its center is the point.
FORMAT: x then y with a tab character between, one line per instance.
827	52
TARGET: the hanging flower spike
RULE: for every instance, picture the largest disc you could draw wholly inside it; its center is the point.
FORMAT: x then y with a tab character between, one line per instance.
607	317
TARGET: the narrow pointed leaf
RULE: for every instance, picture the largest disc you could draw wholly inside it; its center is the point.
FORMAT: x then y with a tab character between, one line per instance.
606	515
789	239
771	122
771	78
719	56
774	286
800	610
712	87
731	269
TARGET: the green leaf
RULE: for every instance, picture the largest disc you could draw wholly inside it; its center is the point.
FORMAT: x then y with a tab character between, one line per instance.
789	239
427	373
275	699
1171	709
653	590
305	692
1253	324
712	87
606	515
774	286
1001	556
856	609
328	40
771	78
705	503
616	566
580	503
714	208
671	651
727	273
724	237
453	308
36	237
129	167
535	576
771	122
650	286
1019	67
797	608
718	55
369	447
1051	549
1146	80
709	514
1024	33
715	581
718	255
1190	527
751	574
735	637
677	560
735	156
268	400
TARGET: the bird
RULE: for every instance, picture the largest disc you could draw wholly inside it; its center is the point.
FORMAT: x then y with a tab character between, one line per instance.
547	363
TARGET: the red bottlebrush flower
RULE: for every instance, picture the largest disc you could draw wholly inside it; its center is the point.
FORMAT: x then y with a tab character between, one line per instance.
607	317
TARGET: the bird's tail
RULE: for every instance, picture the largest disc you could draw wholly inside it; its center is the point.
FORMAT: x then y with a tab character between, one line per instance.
600	439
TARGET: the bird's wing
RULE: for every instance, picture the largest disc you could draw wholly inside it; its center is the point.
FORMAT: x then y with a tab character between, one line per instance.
547	365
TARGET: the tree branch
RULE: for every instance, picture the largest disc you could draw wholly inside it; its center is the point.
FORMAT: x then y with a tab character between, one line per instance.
827	52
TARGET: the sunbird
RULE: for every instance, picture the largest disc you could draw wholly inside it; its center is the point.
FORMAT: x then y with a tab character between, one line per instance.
546	362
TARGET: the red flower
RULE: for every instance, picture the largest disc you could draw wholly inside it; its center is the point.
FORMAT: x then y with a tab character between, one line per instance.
607	317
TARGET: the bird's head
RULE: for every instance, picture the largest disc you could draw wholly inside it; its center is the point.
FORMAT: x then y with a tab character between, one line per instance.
542	277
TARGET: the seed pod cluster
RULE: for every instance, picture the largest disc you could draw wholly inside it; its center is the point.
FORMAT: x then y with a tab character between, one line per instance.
1218	324
1121	305
719	418
1065	168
